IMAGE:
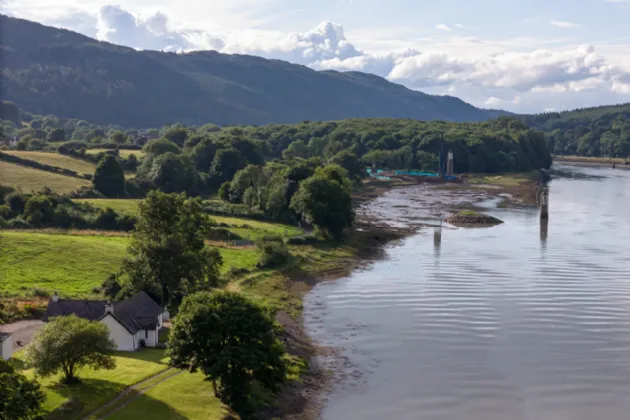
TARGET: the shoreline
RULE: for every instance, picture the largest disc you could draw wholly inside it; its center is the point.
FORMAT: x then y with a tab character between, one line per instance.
304	399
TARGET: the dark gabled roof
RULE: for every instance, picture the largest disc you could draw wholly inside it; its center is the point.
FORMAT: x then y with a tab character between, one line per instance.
88	309
138	312
4	336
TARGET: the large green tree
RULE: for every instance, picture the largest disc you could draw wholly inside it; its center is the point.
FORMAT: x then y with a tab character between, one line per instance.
174	173
20	398
232	341
325	203
225	164
109	177
167	255
68	343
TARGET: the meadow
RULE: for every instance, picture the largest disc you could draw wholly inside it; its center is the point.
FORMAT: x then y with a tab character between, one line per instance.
55	159
75	263
30	179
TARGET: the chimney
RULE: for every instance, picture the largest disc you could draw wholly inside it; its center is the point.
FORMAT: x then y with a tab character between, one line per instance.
109	308
55	297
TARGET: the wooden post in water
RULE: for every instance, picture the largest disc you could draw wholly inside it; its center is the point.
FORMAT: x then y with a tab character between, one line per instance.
449	164
544	204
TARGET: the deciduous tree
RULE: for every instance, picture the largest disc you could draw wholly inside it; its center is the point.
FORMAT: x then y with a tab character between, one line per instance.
20	398
231	340
68	343
109	178
167	255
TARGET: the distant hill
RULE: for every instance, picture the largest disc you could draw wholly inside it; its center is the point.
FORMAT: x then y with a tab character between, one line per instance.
52	71
599	131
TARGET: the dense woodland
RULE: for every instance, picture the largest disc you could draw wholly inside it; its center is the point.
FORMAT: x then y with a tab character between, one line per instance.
600	131
301	172
53	71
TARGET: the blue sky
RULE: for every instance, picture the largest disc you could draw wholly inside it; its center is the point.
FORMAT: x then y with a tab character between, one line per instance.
524	56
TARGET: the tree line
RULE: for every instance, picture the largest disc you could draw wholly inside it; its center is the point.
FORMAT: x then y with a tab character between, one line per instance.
599	131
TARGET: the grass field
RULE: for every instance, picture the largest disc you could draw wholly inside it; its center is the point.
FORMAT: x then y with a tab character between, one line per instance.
97	386
122	152
30	179
184	396
124	206
55	159
74	264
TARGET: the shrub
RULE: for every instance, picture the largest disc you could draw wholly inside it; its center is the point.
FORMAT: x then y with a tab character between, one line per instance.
18	223
302	240
222	234
16	201
273	252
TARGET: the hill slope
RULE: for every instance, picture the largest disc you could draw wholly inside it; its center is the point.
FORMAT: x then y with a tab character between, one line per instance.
53	71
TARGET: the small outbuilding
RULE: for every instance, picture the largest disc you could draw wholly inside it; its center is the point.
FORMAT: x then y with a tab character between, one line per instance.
6	345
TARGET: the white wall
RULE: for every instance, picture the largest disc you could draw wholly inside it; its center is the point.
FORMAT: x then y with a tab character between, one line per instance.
150	337
6	351
165	317
121	337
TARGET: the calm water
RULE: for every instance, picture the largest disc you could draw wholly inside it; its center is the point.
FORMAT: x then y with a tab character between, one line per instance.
512	322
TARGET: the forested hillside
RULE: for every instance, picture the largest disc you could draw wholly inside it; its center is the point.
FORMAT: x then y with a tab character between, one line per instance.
52	71
601	131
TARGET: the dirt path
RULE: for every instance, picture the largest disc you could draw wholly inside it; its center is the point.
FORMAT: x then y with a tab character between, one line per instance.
124	398
22	331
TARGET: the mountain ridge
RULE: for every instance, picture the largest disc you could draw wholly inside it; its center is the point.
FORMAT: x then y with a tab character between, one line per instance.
55	71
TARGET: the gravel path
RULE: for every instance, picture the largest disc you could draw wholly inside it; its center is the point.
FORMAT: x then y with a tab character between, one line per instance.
22	331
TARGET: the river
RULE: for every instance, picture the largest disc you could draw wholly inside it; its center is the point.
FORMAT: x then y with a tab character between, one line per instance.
518	321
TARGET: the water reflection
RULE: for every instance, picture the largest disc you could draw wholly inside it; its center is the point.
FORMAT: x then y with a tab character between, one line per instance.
437	241
544	230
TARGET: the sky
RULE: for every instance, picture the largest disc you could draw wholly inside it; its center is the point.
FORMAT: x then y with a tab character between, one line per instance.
519	55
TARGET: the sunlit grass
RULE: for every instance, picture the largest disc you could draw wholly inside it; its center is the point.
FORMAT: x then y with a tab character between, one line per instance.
55	159
30	179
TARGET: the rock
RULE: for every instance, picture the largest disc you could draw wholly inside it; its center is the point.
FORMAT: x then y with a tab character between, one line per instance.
471	218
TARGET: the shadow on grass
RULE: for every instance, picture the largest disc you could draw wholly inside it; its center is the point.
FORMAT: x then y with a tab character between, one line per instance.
153	355
82	397
135	405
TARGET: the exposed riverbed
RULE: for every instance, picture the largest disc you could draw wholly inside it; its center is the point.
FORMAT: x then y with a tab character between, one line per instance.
518	321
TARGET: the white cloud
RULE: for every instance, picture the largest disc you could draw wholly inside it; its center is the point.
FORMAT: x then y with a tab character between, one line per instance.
505	72
563	24
443	27
493	101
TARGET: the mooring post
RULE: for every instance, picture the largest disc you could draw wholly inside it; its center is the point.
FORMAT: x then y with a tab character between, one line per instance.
544	205
449	164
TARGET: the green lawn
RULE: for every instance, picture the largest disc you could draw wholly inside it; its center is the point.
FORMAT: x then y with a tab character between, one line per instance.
75	264
124	153
184	396
56	159
30	179
97	386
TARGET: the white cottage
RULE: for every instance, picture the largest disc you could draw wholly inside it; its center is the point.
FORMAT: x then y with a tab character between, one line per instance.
132	323
6	345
